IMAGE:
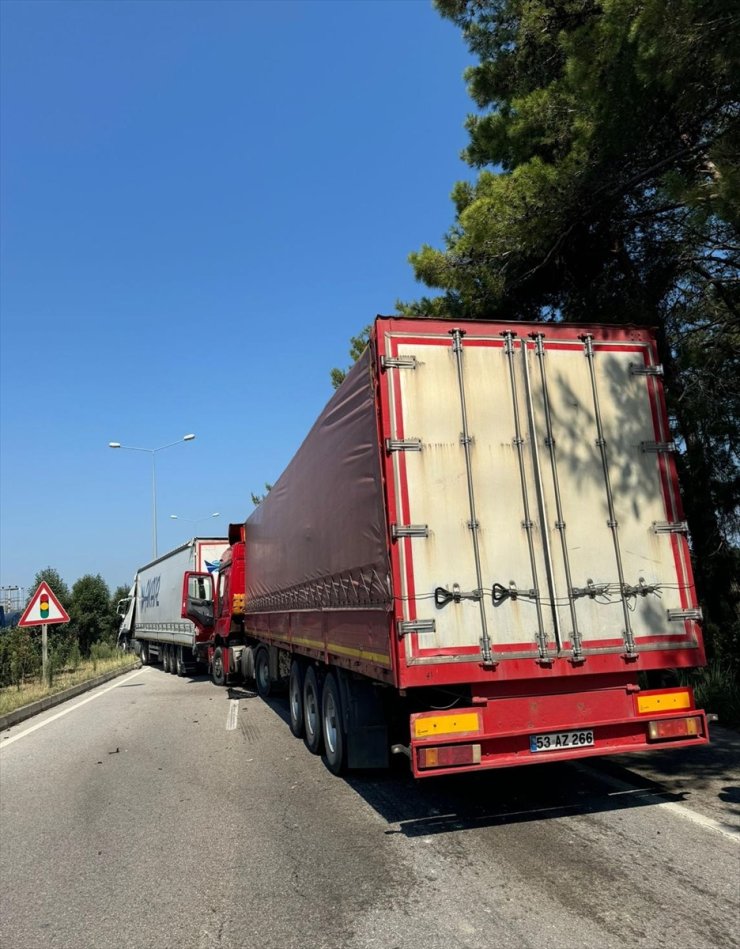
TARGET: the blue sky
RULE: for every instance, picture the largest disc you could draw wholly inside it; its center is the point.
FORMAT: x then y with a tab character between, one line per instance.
201	203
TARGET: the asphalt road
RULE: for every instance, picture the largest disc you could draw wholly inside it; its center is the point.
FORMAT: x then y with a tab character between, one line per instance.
162	812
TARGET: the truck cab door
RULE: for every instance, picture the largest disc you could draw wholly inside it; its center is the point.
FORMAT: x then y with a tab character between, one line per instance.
197	599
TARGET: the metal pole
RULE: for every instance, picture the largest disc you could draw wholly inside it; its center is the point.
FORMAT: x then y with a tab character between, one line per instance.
154	501
44	654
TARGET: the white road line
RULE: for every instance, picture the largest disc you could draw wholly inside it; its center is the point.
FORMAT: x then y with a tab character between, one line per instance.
654	797
47	721
233	715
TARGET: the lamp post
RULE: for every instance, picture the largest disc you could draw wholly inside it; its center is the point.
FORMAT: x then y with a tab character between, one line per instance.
153	453
194	520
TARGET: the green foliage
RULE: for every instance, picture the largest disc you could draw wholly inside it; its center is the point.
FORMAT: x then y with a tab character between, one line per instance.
20	653
93	627
356	349
257	499
51	577
717	690
100	651
91	612
20	656
74	658
120	593
607	139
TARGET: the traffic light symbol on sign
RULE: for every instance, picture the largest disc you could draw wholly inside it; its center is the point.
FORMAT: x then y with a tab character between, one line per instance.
44	606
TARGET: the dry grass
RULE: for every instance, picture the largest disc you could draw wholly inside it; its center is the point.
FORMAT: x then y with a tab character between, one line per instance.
14	697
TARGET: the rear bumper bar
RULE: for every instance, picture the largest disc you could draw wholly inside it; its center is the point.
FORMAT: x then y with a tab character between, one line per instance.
499	733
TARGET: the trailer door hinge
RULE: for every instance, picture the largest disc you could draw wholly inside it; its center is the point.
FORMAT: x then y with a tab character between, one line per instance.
408	444
636	369
416	626
397	362
658	446
670	527
409	530
685	614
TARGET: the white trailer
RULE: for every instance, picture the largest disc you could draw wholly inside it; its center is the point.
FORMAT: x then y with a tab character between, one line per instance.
153	624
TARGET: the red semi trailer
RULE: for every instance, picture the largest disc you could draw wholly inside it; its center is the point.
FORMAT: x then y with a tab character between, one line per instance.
473	556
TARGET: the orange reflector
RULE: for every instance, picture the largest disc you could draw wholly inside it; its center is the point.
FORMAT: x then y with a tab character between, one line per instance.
237	603
663	701
674	728
433	725
447	756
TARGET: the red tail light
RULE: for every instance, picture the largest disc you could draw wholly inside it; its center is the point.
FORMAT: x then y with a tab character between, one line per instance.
447	756
674	728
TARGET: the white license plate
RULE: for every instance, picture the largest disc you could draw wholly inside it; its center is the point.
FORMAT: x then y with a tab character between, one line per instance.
556	741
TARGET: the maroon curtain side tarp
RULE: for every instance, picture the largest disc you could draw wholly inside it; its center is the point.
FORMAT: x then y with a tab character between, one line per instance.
318	540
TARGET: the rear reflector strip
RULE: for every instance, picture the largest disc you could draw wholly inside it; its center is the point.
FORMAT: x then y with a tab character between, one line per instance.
447	756
430	726
663	702
674	728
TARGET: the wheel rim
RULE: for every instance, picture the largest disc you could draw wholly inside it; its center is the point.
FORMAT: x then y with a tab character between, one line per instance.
218	666
295	698
330	722
311	711
264	673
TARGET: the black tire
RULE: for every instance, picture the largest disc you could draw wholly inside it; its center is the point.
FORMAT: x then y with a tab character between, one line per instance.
164	655
332	726
180	667
295	698
144	654
218	672
262	673
173	660
312	711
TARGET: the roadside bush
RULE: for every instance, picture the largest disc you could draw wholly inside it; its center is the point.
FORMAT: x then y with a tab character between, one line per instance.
100	651
73	657
716	689
20	657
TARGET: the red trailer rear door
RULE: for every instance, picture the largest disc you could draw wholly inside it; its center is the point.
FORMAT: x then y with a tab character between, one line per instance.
533	494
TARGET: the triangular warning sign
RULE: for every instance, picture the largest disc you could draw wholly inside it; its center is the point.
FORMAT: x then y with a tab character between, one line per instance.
43	607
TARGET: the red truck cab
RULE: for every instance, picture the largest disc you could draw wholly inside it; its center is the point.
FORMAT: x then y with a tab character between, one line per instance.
215	603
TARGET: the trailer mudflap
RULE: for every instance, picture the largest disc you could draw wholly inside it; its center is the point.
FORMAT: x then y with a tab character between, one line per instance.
505	732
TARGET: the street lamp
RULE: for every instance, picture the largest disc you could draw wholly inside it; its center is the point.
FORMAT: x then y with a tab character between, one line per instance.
194	520
153	453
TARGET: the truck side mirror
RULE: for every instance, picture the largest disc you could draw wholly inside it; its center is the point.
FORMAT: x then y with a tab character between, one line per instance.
197	598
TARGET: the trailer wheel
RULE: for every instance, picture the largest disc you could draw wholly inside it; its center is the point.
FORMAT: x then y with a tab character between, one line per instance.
295	697
173	660
144	654
180	666
218	672
312	711
164	655
262	673
332	725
